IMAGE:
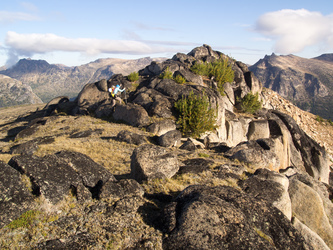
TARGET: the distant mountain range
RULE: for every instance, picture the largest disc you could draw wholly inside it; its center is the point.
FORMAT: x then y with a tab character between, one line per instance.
308	83
14	92
50	80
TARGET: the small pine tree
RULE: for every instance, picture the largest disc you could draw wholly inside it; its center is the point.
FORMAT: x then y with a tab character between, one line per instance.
166	74
195	115
250	103
133	77
179	79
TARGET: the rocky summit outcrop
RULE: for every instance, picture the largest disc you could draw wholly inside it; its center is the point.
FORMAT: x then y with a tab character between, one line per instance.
119	173
51	80
306	82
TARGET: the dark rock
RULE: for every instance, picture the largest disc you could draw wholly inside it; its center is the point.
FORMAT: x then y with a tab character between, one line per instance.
131	114
132	138
54	176
195	166
27	131
52	105
224	218
86	133
161	127
230	171
271	187
170	139
123	188
150	162
188	145
89	171
15	198
78	241
102	85
30	147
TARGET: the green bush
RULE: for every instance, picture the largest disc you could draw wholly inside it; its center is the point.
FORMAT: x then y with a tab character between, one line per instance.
220	69
195	115
166	74
179	79
133	77
250	103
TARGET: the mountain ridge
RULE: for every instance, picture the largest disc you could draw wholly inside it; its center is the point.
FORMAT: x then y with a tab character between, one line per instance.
308	83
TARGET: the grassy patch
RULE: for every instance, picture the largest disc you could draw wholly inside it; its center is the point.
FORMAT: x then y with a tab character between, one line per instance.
25	220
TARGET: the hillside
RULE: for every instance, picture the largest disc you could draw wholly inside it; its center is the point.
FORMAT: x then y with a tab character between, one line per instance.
14	92
105	173
49	80
308	83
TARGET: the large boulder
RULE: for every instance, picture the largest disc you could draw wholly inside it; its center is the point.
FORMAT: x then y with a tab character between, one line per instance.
149	162
313	155
15	197
55	176
223	217
271	187
131	114
170	139
308	207
161	127
90	97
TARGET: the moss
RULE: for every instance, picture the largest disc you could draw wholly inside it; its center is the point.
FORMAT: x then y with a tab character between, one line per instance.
25	220
264	236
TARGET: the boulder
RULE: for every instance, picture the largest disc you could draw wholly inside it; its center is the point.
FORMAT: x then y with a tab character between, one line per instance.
307	207
55	176
131	138
161	127
314	156
195	166
236	131
149	162
223	217
52	105
256	154
131	114
15	198
102	85
90	98
120	190
170	139
188	145
189	76
312	239
271	187
258	129
30	147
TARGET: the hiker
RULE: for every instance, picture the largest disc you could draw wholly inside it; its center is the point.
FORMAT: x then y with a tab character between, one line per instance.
114	91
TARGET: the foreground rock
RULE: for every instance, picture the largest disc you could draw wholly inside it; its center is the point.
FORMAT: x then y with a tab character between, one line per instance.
149	162
225	218
15	198
55	176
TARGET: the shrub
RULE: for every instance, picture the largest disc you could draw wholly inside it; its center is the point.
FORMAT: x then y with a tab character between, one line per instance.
195	115
250	103
133	77
166	74
179	79
319	118
220	69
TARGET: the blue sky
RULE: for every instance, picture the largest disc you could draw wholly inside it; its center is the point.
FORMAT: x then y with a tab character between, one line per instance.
75	32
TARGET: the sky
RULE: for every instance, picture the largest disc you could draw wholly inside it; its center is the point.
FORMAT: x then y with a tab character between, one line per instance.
75	32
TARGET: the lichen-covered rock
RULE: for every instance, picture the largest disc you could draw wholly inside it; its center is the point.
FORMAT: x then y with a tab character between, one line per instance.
15	197
132	138
149	161
271	187
225	218
308	207
131	114
170	139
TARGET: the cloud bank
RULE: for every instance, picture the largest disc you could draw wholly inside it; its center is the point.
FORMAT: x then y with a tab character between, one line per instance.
29	44
294	30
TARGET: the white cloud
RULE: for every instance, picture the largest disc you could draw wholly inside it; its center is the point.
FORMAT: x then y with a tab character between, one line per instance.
294	30
9	17
44	43
27	45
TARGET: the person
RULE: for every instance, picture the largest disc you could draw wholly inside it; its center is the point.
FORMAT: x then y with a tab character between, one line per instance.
114	91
